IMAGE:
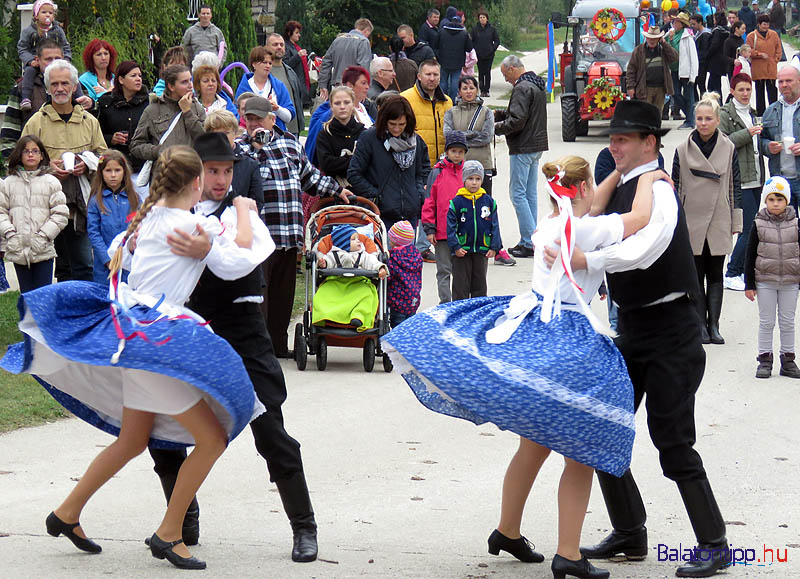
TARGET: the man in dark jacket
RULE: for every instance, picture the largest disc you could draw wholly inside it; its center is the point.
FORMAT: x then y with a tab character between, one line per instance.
747	16
485	41
429	31
524	123
702	41
284	73
418	51
454	44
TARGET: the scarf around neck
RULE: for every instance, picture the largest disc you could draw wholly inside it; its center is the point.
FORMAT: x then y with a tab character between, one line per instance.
403	149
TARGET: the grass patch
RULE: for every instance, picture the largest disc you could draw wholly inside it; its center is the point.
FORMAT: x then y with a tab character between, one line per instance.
534	39
23	402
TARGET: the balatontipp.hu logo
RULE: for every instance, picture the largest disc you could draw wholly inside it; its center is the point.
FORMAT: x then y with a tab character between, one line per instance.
761	556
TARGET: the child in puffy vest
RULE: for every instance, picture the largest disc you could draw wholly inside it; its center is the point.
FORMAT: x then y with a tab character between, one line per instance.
444	182
772	272
473	233
405	267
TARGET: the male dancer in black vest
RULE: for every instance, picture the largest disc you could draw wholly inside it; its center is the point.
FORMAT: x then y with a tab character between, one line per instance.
235	314
652	278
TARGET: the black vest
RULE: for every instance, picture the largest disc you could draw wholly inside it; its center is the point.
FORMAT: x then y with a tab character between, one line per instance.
212	291
673	271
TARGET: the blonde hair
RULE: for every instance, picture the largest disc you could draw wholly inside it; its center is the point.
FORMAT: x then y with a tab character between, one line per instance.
340	88
711	100
576	171
175	169
221	122
743	48
201	72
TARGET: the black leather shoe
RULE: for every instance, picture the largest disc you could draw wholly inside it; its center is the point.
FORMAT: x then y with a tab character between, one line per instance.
708	560
56	527
521	548
304	549
521	251
163	550
631	546
582	569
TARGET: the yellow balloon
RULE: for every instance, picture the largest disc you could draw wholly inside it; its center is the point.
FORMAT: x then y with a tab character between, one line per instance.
666	5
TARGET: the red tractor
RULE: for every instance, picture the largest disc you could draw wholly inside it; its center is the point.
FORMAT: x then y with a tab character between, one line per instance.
593	61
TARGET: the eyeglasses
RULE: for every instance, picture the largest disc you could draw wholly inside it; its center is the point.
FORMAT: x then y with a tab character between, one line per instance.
389	70
31	152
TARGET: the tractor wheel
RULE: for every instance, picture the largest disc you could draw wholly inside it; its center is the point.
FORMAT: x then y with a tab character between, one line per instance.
582	128
569	119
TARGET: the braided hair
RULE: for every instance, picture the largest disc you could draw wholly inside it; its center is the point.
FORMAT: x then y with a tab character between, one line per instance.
175	169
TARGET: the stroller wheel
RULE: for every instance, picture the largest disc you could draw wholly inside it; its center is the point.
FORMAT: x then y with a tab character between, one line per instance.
369	355
322	353
387	363
300	351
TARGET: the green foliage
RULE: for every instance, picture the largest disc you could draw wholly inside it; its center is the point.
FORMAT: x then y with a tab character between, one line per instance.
10	67
126	24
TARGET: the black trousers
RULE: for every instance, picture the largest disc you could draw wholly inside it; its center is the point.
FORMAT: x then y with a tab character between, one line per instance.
280	273
469	275
768	86
485	74
709	267
243	327
664	353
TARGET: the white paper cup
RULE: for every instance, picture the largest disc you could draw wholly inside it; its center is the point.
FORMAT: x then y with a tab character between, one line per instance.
787	143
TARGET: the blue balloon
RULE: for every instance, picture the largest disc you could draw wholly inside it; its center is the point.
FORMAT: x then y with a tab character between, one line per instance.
681	3
701	4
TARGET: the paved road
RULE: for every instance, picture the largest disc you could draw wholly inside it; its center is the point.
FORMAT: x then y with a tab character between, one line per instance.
403	492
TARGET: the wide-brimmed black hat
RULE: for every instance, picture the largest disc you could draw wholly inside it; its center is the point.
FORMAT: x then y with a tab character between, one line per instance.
635	116
214	147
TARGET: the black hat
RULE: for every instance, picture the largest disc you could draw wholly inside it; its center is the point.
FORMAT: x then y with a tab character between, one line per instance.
635	116
455	139
214	147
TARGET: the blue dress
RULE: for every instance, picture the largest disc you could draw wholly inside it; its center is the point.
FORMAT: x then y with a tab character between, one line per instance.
71	336
559	383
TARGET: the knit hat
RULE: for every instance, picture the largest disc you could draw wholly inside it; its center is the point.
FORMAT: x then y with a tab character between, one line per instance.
777	186
471	168
401	233
38	6
341	235
455	139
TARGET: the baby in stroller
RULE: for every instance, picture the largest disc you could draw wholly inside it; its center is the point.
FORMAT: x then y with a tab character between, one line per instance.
349	249
350	300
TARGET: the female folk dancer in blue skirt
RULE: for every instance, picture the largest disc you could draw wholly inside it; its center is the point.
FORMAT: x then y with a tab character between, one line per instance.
138	364
536	364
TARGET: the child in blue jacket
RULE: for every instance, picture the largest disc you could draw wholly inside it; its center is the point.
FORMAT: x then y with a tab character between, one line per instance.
473	233
113	199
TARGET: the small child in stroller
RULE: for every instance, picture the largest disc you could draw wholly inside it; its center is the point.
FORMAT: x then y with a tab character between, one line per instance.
349	250
344	299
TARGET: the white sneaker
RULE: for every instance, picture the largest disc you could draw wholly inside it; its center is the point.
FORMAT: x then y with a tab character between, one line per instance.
734	283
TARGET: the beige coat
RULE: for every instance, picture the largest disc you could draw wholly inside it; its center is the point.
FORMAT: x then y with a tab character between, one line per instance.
708	204
33	211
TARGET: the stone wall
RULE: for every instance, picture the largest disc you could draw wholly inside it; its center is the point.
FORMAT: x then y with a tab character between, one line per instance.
264	15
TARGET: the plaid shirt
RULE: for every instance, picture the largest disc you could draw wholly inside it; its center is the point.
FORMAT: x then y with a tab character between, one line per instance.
286	172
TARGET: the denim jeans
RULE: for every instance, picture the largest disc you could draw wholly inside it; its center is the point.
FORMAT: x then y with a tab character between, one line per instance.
751	199
74	255
34	276
794	185
449	82
522	185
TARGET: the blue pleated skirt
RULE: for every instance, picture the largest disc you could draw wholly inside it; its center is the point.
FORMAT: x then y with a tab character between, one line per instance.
69	339
559	384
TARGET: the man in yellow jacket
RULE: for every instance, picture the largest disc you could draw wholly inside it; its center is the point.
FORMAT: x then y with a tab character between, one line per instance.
429	104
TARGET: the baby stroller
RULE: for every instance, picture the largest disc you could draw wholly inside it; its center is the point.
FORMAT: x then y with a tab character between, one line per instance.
315	339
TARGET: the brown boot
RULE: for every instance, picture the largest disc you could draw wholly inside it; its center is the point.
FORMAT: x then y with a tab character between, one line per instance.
788	366
764	369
